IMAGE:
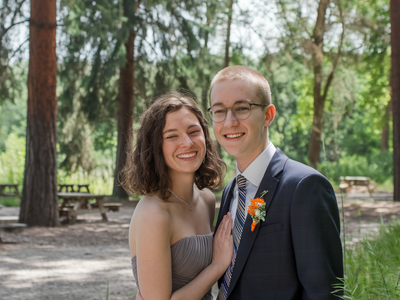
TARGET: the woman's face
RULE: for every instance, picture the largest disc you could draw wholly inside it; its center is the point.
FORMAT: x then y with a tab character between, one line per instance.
184	146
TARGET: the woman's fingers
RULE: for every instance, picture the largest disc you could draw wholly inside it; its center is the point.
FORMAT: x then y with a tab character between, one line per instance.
226	225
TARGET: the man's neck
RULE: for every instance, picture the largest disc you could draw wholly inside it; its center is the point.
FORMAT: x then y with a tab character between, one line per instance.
245	161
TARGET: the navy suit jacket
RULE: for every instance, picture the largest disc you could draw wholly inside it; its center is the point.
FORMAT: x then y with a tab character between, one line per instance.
296	253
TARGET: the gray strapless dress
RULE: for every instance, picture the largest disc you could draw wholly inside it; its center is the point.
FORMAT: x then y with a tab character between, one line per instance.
189	257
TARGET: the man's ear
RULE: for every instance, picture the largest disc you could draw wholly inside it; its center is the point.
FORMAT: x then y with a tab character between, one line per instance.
269	115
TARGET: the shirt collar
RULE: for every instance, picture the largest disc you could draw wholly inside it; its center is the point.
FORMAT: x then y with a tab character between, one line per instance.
255	171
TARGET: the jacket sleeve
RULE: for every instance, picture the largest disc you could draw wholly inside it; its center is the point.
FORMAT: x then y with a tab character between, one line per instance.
315	226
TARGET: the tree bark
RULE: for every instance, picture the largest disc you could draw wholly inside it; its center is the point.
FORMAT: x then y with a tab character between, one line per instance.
125	111
319	99
395	85
39	204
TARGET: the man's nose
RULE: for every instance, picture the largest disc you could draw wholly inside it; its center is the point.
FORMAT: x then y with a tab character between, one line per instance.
230	119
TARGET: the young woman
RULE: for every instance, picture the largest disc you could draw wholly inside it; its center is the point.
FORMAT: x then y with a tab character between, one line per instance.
174	254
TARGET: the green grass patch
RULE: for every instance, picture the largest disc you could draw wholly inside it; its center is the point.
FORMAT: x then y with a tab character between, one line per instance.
372	267
10	201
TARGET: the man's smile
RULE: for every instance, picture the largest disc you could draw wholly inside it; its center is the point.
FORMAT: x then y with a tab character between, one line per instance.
235	135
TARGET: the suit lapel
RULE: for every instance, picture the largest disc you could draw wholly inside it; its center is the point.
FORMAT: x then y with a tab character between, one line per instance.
268	183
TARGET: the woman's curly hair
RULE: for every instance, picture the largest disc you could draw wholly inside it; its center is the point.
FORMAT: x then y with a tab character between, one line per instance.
145	170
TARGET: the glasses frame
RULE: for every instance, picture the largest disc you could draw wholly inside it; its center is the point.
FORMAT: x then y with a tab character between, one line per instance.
226	110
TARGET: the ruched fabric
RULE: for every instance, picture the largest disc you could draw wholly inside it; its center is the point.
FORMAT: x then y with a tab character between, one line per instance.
189	256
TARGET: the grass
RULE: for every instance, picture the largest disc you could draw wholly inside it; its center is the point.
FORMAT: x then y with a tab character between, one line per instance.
372	267
10	201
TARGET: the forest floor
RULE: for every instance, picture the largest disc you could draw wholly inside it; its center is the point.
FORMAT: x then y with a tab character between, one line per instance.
83	260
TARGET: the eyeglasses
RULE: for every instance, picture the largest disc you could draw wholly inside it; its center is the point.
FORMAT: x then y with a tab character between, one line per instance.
240	110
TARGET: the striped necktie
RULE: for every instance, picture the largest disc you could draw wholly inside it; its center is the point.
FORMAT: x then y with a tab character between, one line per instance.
236	233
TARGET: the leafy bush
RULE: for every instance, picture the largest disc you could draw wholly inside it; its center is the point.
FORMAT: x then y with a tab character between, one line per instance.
12	160
378	166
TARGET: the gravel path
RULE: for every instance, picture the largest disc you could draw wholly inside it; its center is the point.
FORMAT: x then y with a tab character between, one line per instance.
70	262
78	261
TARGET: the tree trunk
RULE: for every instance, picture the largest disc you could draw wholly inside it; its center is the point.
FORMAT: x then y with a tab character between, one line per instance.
395	84
39	205
125	111
228	34
319	100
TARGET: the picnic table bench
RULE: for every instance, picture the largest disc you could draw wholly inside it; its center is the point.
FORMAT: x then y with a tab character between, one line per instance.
112	206
67	208
9	190
348	182
69	213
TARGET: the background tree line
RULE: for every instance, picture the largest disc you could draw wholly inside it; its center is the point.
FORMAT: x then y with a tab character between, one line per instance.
102	62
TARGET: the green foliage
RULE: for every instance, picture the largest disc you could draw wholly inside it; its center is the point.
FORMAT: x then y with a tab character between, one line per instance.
13	15
378	166
10	201
230	165
12	160
372	267
100	178
13	118
180	44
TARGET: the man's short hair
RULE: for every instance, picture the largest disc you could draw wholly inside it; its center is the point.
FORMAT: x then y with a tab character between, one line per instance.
239	72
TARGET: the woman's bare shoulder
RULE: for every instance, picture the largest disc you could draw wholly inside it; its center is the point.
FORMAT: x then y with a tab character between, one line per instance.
151	209
207	196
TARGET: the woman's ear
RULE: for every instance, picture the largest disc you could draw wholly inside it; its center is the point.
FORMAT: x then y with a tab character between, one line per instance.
269	115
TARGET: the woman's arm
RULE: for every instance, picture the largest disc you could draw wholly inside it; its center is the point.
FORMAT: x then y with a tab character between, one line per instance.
152	236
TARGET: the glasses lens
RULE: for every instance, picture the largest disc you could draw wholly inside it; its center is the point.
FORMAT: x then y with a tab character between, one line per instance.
241	110
218	113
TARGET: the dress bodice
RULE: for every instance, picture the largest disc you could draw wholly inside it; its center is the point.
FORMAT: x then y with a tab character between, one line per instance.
189	256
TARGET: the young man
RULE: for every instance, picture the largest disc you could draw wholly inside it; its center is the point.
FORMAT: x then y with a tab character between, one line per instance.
296	252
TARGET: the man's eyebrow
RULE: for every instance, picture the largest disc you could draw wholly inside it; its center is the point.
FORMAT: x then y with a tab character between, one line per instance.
238	101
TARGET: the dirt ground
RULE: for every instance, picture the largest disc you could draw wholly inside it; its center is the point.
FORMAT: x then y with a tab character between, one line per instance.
80	261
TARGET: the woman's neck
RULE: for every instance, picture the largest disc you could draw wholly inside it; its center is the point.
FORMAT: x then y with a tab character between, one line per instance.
183	186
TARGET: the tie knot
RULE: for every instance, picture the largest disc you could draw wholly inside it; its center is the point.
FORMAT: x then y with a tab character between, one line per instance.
241	181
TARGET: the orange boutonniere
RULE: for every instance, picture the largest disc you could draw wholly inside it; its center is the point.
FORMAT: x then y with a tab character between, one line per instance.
257	210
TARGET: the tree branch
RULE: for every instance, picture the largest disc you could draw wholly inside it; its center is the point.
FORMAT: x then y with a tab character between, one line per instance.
17	12
19	48
11	26
331	74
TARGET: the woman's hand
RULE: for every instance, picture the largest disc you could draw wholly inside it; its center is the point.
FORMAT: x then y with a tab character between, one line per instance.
223	244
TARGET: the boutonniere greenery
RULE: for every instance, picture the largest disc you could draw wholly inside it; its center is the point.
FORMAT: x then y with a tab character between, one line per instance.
257	210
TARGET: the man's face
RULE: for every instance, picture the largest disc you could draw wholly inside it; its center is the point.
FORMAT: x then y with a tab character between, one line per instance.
243	139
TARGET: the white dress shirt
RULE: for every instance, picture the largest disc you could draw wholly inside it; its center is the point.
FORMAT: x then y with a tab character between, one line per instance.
253	174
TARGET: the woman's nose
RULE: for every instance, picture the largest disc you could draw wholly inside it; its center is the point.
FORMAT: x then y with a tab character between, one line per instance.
187	141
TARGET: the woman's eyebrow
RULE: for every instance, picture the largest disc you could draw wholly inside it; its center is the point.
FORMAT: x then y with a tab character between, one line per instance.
173	129
169	130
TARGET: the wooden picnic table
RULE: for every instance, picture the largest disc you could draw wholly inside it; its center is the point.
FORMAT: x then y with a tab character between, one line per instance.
69	188
9	189
79	198
348	182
